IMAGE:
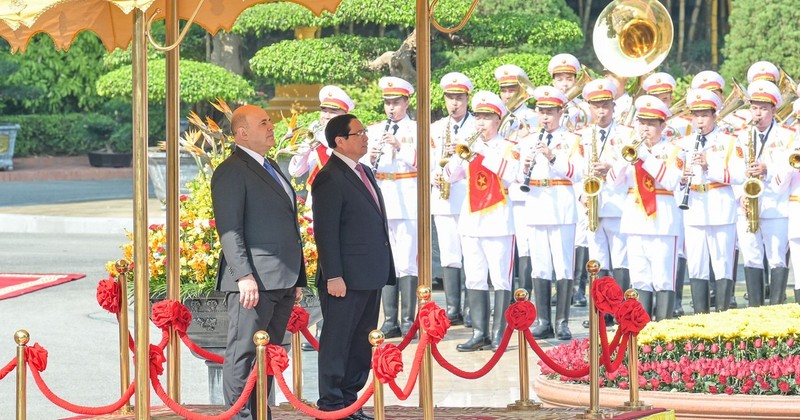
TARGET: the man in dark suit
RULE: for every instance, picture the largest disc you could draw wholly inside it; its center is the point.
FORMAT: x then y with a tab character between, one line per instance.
355	262
261	267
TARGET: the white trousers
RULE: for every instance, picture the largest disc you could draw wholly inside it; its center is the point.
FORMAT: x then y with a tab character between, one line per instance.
552	248
403	237
488	255
771	237
794	249
449	240
521	228
608	246
651	261
710	244
581	229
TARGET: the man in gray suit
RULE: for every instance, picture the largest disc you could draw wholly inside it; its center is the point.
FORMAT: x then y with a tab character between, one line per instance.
355	262
261	267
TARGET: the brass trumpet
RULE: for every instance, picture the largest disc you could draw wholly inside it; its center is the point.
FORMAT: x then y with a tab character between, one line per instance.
794	160
303	138
630	152
464	151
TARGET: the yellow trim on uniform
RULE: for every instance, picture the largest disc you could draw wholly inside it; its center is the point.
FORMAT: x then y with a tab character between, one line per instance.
549	182
391	176
701	188
659	191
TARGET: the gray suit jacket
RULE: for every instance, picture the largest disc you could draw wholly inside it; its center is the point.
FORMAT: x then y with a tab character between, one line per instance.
257	225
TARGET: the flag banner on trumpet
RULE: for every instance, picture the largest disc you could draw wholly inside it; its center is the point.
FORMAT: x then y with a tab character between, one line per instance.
322	159
645	188
484	188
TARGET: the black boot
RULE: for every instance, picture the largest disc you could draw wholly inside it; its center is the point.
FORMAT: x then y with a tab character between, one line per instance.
306	346
712	292
767	278
479	308
524	274
581	255
465	310
700	295
451	280
680	278
797	296
502	298
542	328
724	292
754	280
623	278
665	304
777	285
646	299
390	298
408	302
564	288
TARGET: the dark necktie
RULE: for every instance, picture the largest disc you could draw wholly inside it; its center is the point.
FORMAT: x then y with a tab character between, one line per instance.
455	129
549	138
763	138
702	141
602	141
275	176
365	180
394	129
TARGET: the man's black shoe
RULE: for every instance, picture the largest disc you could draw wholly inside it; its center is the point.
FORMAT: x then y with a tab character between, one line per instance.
359	415
306	346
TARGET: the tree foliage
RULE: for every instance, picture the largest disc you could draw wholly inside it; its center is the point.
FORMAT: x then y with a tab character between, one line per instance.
539	32
199	82
762	30
65	80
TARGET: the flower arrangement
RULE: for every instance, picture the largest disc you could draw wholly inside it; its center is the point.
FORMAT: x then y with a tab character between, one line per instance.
198	239
744	351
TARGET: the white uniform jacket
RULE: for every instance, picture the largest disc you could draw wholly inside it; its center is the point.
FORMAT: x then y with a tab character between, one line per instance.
712	201
773	202
611	196
551	199
397	169
498	158
665	165
458	190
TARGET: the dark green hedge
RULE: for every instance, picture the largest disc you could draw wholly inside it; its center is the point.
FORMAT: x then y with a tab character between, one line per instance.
55	135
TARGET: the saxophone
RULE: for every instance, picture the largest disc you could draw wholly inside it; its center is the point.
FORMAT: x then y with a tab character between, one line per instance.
591	187
444	186
753	187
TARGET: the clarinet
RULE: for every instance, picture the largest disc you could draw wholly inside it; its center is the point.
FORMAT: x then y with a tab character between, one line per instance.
525	187
380	151
685	202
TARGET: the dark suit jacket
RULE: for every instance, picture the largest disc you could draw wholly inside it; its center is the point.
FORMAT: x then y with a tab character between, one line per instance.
351	232
257	225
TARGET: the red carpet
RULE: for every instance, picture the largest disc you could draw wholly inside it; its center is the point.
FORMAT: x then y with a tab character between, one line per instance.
13	285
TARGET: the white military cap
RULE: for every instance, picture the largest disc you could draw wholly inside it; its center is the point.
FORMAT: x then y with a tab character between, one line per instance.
649	107
488	102
698	99
708	79
599	90
456	82
763	70
507	74
764	91
395	87
564	63
331	96
549	97
659	83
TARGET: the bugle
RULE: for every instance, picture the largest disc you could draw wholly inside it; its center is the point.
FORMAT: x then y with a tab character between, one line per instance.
464	151
630	152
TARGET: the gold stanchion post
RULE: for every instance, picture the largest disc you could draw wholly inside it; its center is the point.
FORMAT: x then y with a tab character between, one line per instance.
297	367
524	402
426	373
376	338
593	412
633	369
261	339
123	268
21	337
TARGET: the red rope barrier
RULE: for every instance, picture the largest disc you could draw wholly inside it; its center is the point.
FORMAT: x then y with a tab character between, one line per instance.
409	336
205	354
188	414
480	372
404	393
81	409
550	363
310	337
11	365
316	413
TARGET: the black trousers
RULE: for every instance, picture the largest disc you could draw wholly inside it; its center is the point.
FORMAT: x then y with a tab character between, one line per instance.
345	354
272	311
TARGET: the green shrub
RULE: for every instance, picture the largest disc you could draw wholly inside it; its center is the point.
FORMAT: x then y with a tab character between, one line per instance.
54	135
540	32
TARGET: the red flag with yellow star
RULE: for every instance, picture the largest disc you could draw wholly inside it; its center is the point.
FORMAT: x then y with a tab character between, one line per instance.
646	187
322	159
484	188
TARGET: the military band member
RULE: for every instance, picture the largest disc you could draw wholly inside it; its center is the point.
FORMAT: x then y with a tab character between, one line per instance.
652	224
789	179
393	157
522	120
662	86
770	141
447	199
607	245
713	81
564	69
333	101
485	222
714	163
547	166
